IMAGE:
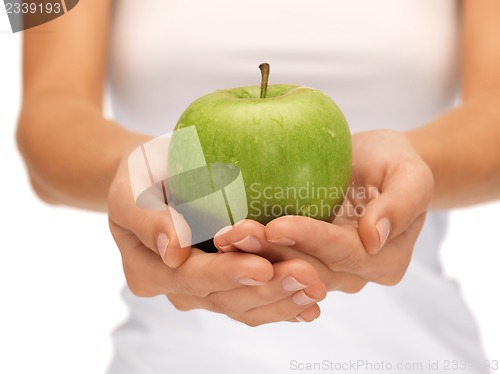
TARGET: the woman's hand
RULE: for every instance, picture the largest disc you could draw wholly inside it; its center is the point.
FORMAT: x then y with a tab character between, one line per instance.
244	286
373	237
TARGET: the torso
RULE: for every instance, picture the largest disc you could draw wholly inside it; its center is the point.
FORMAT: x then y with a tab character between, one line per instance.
387	64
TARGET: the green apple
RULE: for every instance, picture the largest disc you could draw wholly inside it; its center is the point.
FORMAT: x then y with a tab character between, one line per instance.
292	145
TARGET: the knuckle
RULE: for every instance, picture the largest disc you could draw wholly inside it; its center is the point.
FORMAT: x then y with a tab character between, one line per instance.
396	274
135	282
194	291
184	284
114	192
253	323
200	286
350	283
323	293
250	322
351	262
137	288
355	287
392	279
296	267
268	296
180	303
215	303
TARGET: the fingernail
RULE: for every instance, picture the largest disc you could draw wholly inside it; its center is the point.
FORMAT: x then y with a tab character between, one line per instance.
384	228
161	244
292	284
300	319
223	230
300	298
250	282
249	243
285	242
224	248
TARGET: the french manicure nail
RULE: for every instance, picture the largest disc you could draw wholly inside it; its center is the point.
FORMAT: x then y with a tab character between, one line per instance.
223	230
291	284
285	242
249	243
300	298
162	244
300	319
250	282
384	228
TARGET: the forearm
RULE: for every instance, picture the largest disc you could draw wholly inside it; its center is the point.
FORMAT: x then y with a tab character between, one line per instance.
70	150
462	148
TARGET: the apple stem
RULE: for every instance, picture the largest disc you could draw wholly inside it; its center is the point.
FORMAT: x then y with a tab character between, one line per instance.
264	69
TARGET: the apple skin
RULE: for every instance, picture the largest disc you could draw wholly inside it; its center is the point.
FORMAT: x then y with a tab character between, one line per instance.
293	147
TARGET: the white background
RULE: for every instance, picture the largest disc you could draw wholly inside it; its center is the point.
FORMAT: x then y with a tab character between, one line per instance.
60	273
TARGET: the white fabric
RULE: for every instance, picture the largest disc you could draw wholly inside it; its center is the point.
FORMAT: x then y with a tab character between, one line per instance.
387	64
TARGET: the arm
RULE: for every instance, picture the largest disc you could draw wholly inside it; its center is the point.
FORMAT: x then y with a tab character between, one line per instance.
64	67
463	146
76	157
452	161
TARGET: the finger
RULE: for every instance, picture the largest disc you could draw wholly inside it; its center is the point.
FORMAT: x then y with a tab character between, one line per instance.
275	253
319	243
299	304
338	247
204	273
159	230
200	274
390	264
247	235
289	277
250	236
256	317
309	314
405	194
341	250
139	263
175	254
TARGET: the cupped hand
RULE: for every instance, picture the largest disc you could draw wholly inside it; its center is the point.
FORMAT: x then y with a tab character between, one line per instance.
246	287
378	224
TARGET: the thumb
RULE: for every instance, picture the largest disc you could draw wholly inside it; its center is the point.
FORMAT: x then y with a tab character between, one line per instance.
404	196
179	252
162	230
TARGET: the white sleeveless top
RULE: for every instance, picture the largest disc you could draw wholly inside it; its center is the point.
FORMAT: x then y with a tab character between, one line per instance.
387	64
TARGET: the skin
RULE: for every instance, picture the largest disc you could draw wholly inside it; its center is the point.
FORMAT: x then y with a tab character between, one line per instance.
76	157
